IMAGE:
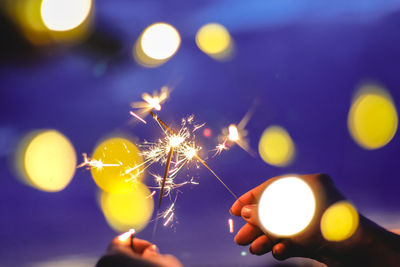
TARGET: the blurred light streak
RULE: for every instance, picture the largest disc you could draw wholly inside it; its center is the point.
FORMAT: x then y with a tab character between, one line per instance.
156	45
118	165
276	146
339	221
373	118
124	211
294	210
137	117
64	15
230	223
46	160
67	261
214	40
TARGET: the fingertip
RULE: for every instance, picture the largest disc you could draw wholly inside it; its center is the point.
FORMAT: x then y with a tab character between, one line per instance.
279	251
235	209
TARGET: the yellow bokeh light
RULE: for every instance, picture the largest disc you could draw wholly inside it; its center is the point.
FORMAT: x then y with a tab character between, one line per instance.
373	118
47	160
160	41
286	206
276	147
214	40
128	210
64	15
156	45
123	153
339	221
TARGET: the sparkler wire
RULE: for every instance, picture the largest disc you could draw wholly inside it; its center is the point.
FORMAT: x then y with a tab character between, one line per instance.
166	171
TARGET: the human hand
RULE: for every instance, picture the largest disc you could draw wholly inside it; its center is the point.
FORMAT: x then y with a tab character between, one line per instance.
309	242
144	253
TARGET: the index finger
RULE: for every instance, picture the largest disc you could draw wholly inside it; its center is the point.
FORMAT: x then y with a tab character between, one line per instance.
250	197
139	245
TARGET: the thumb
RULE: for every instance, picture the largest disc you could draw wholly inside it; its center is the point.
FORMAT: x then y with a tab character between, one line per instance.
150	251
250	214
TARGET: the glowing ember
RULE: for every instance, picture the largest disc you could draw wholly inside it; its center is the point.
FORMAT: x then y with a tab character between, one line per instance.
233	133
230	222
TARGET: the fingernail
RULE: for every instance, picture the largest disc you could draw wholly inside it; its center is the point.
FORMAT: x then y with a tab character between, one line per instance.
246	212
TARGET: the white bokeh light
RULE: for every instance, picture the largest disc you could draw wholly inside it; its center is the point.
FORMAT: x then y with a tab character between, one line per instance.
64	15
160	41
286	206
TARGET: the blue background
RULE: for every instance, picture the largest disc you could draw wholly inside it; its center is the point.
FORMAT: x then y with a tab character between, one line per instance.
302	60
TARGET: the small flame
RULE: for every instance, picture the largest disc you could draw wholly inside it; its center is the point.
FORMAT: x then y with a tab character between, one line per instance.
125	236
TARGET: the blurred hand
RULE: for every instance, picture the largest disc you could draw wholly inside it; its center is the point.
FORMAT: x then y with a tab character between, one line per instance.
310	242
144	253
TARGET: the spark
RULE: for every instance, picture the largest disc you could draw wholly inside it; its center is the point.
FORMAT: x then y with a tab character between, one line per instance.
151	102
196	127
93	163
235	134
219	148
169	219
152	194
230	223
137	117
174	150
169	214
185	144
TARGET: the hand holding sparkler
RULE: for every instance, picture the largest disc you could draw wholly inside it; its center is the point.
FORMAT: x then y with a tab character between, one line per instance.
127	251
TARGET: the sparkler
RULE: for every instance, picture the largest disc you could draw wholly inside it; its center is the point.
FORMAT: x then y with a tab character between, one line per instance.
175	150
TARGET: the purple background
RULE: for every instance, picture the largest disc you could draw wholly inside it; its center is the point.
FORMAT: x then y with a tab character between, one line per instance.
302	60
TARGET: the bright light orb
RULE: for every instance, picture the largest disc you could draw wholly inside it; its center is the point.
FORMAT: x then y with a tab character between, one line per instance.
233	133
49	161
339	222
276	147
214	39
373	118
124	211
123	153
286	207
160	41
65	15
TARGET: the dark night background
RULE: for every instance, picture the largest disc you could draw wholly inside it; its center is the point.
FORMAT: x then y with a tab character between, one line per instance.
303	61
